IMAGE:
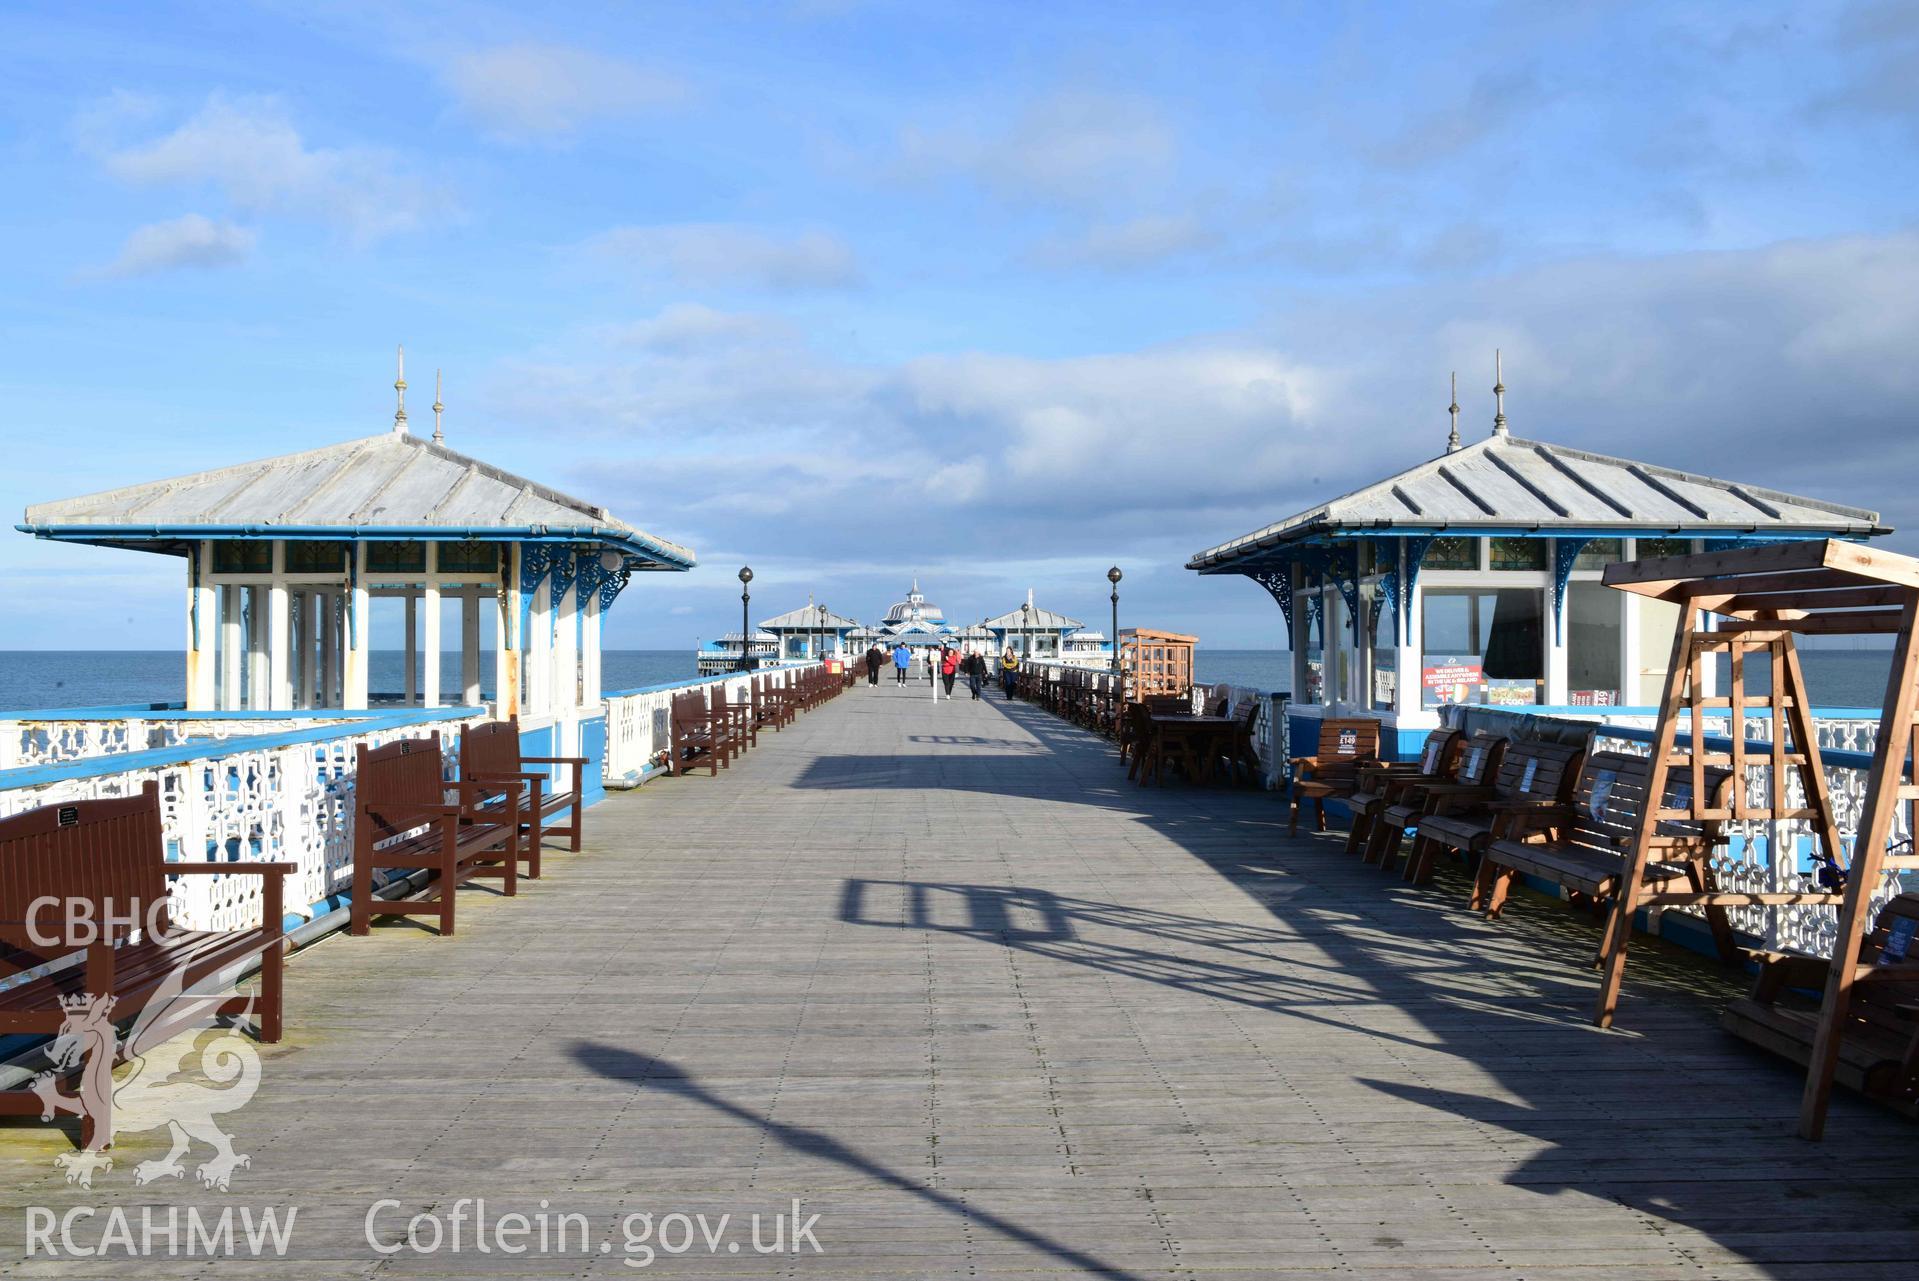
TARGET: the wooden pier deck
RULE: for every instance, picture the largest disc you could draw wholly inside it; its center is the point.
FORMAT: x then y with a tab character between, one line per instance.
987	1010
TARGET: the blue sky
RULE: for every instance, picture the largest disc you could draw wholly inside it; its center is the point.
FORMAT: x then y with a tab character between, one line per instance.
997	294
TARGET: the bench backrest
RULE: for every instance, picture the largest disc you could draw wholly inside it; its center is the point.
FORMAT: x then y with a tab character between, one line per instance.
1892	941
1612	793
1344	745
404	774
1480	758
1440	752
490	750
109	853
1534	770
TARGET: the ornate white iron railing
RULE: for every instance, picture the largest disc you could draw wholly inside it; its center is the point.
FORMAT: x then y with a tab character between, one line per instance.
285	797
1773	856
639	721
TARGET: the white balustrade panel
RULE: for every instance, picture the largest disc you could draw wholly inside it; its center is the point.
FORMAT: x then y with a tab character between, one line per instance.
1769	856
639	726
291	804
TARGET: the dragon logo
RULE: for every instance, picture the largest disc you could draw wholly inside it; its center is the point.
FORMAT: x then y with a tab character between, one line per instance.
160	1087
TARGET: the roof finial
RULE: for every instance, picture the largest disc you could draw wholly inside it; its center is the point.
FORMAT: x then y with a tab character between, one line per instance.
439	437
1499	395
399	385
1452	438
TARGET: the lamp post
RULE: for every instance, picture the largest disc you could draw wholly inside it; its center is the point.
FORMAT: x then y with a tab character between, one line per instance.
1026	629
746	632
1113	576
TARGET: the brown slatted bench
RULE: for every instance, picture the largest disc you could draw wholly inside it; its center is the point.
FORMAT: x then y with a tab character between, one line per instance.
110	856
403	821
1879	1041
1596	835
1468	815
1345	746
490	753
696	737
738	717
1478	760
1381	783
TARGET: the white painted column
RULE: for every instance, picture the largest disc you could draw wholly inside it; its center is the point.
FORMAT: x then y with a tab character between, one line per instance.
279	686
506	638
537	663
203	631
470	647
259	671
565	689
311	619
430	602
359	632
1407	655
590	648
231	647
1556	631
1299	634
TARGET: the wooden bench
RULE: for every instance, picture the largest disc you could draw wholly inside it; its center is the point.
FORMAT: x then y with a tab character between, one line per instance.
1345	745
741	726
1466	815
1381	783
1595	835
771	709
402	820
107	858
1879	1036
1477	762
695	737
491	753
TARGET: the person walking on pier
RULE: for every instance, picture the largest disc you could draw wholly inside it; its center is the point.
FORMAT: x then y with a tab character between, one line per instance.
1008	668
901	657
974	665
873	660
949	667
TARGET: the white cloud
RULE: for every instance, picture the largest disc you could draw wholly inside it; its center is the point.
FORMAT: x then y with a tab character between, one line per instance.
723	254
686	327
1070	146
1137	242
192	241
248	150
529	90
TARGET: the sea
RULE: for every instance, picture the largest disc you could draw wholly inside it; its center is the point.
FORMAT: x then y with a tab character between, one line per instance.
31	680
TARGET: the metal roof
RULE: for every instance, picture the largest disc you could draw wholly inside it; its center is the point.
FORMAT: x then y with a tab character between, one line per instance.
392	485
816	618
1042	620
1507	483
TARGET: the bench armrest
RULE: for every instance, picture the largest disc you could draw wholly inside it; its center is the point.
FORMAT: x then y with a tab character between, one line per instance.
1303	762
403	817
568	760
209	869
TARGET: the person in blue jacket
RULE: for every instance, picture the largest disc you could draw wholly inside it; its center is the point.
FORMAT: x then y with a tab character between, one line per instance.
901	657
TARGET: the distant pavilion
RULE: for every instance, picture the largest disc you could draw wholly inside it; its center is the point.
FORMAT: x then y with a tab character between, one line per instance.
1475	576
289	559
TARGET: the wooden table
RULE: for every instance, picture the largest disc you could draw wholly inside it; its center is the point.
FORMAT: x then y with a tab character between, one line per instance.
1198	734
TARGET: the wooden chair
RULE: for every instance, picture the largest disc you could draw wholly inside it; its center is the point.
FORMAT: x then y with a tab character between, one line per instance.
1240	751
1879	1029
1477	762
1595	835
1467	814
75	881
695	736
1381	783
737	717
403	821
491	753
1345	745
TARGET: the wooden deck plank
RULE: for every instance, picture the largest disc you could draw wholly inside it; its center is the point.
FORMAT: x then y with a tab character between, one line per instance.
989	1010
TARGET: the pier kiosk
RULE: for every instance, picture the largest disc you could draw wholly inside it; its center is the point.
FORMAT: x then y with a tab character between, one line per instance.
300	567
1475	577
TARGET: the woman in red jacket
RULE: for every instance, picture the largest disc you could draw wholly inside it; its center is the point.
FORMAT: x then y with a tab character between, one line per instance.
949	667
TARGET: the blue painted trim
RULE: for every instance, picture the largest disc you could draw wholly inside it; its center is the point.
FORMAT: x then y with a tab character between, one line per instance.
626	541
695	682
155	757
1565	552
175	712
